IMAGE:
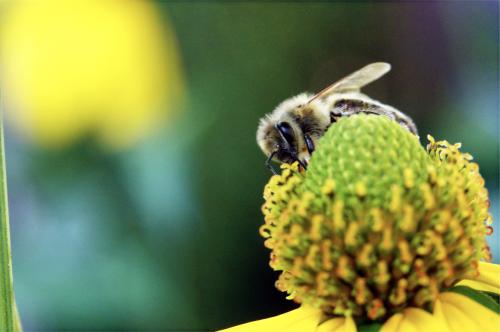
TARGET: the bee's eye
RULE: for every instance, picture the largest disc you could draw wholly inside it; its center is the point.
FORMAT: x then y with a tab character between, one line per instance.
286	131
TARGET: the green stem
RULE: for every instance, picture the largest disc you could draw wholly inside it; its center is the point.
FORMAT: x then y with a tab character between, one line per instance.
9	320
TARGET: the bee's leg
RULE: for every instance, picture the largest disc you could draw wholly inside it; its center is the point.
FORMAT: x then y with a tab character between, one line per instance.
309	143
268	163
302	164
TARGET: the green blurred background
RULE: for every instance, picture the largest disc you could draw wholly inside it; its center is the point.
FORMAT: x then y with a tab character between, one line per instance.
163	235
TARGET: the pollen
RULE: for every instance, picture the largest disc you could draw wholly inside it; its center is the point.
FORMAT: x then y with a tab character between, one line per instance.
328	188
361	189
376	223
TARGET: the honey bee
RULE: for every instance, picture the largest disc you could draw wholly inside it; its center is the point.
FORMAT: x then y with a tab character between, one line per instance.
291	132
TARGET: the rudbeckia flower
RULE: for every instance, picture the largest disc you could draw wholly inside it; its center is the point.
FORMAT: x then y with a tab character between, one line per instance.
380	234
70	69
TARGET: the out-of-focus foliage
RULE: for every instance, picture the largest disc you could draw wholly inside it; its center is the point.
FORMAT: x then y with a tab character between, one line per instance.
164	235
74	68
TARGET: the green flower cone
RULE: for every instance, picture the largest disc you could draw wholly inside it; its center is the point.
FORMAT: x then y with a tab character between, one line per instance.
376	224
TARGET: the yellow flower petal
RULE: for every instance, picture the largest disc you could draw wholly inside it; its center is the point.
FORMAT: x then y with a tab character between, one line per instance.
453	318
464	314
392	324
487	280
414	320
299	320
424	321
338	325
479	286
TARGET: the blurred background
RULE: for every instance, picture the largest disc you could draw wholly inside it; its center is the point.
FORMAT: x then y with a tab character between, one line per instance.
135	182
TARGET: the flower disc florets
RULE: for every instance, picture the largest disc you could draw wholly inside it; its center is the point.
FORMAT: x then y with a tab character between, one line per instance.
376	223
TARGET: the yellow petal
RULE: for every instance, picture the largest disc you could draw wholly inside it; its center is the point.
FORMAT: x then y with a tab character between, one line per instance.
424	321
299	320
338	325
453	318
481	286
460	312
414	320
392	324
488	278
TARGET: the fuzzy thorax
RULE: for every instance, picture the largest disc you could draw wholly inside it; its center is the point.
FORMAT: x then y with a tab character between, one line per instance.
376	223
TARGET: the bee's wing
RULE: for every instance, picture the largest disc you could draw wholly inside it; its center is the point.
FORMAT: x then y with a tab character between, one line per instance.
355	81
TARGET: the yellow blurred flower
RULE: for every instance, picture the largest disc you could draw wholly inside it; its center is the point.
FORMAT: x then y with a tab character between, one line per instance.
379	234
69	69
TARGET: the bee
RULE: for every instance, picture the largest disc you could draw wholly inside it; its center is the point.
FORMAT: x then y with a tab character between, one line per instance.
291	131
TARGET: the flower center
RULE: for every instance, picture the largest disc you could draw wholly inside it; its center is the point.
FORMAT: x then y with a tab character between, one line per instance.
376	223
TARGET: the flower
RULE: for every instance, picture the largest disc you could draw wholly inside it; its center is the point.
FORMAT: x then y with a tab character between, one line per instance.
381	233
70	69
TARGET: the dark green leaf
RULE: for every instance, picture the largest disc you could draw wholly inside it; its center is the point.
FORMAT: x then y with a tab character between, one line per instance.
374	327
495	297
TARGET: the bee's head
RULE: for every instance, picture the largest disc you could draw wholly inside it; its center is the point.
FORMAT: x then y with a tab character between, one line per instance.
290	132
280	139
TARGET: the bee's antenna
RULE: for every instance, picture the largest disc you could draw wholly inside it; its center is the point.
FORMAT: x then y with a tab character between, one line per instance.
268	163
